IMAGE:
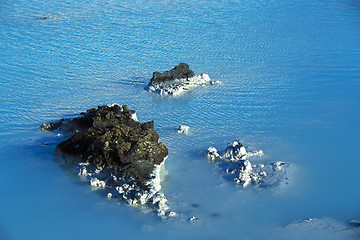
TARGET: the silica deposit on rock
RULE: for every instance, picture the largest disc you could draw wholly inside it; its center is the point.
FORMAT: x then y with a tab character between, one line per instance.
177	80
234	162
115	152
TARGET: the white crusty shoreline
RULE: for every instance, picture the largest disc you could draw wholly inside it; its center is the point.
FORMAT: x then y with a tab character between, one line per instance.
118	187
177	80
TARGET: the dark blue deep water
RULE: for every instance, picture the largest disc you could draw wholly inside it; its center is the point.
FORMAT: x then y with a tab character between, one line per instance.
290	73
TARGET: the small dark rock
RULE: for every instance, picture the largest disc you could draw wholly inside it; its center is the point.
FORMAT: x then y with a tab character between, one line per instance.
179	72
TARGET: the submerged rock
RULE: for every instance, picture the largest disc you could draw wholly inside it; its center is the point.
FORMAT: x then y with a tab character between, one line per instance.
324	228
114	151
177	80
45	18
51	126
234	162
355	223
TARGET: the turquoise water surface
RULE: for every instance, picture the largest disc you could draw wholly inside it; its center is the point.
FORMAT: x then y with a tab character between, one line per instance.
290	74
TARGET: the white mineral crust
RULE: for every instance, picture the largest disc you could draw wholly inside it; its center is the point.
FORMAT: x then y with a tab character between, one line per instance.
134	117
183	129
212	153
234	162
126	189
236	151
178	86
94	182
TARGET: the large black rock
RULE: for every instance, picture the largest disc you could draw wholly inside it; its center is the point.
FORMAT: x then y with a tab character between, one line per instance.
109	136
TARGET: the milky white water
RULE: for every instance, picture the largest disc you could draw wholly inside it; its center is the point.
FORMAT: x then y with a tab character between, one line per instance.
290	86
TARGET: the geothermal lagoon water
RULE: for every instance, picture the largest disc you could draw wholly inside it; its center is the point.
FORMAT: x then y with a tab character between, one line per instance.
290	86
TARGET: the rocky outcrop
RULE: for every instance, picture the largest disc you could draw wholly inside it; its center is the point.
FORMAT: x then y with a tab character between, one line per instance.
115	151
177	80
233	161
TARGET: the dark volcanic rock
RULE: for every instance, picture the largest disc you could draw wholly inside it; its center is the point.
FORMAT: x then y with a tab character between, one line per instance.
110	137
179	72
114	152
177	80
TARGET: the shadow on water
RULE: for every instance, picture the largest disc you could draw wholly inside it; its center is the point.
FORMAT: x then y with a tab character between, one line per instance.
355	9
356	4
137	82
3	234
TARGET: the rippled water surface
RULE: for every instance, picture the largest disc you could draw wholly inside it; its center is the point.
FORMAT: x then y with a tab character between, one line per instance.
290	74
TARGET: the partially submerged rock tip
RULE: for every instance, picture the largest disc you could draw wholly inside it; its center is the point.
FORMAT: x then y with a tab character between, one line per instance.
177	80
45	18
183	129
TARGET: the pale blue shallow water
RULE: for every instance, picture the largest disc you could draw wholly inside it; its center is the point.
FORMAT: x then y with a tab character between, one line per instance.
291	83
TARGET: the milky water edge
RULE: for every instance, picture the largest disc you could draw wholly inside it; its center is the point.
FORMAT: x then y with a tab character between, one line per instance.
290	86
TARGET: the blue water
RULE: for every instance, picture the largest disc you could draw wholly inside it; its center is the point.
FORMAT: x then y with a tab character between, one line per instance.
291	82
